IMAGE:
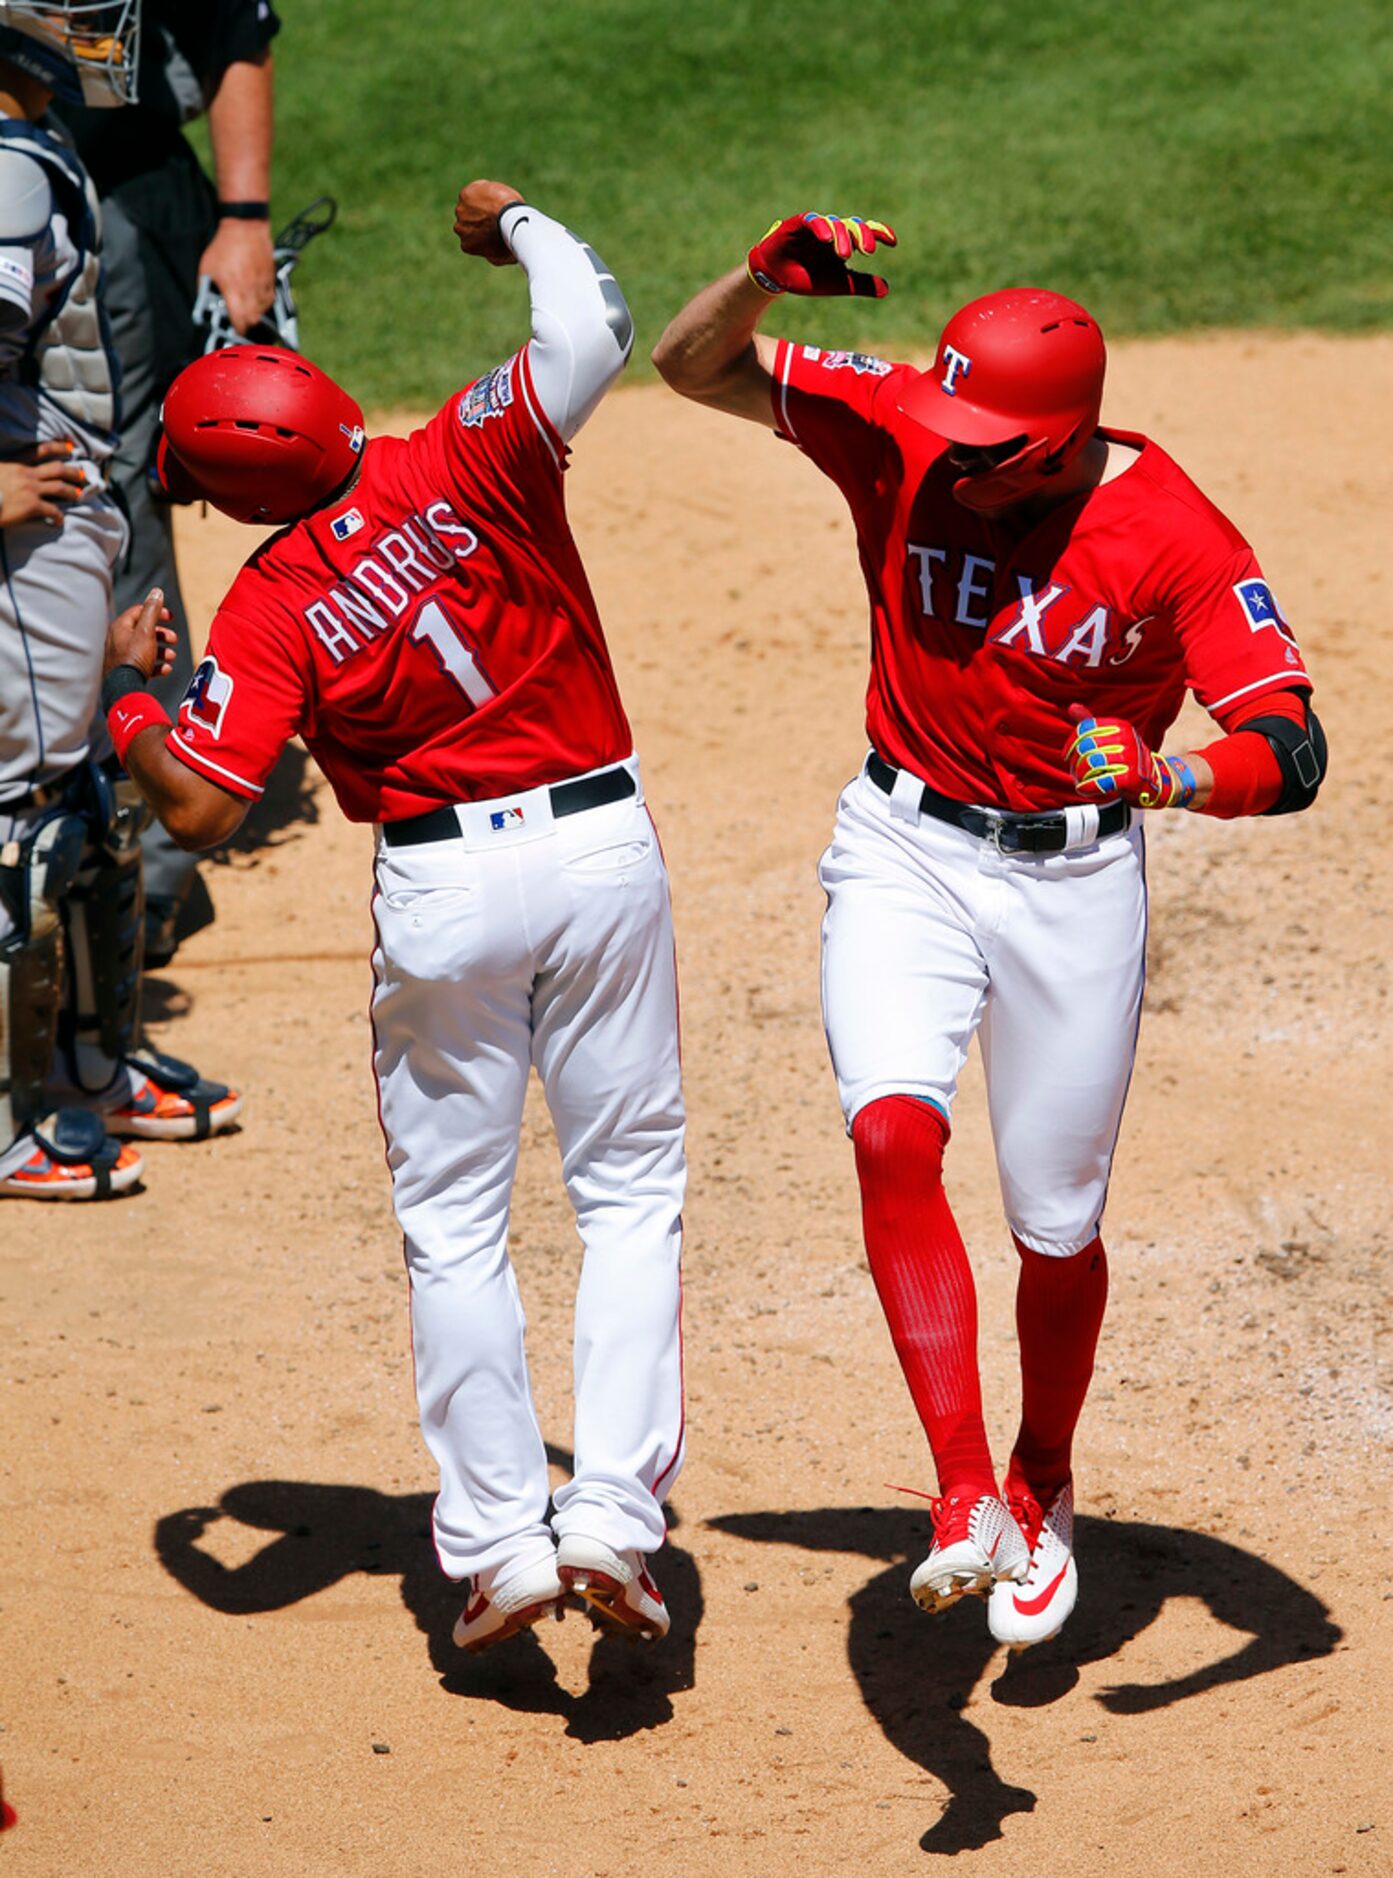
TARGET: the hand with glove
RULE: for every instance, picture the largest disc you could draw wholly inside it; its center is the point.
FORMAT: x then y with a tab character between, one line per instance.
1109	760
808	254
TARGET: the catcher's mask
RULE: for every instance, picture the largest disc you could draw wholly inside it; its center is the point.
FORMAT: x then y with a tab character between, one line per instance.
259	432
1022	366
83	51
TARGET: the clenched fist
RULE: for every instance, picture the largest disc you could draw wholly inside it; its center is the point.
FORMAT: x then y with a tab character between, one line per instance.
476	221
809	254
1109	760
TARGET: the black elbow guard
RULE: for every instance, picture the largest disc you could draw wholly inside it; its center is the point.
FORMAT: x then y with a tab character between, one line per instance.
1300	756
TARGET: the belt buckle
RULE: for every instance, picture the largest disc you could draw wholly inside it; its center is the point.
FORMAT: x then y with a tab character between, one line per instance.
996	828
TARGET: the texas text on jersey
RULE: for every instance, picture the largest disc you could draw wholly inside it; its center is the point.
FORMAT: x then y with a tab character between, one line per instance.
431	635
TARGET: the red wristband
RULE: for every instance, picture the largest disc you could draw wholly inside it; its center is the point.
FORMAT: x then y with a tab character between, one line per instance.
137	711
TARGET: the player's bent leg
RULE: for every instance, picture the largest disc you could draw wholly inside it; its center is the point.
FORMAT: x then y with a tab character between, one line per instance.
606	1049
452	1041
1057	1070
925	1285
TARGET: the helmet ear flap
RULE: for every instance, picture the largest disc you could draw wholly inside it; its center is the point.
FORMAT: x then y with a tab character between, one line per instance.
175	482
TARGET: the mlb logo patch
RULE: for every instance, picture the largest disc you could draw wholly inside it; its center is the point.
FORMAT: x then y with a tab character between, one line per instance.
207	698
500	819
346	524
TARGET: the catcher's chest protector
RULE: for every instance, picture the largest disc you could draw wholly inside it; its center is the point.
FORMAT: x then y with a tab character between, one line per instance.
69	355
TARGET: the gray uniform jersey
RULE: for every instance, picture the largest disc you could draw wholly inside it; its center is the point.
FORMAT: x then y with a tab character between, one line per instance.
58	379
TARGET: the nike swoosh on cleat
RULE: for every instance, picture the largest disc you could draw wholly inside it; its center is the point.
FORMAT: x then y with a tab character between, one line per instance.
1031	1607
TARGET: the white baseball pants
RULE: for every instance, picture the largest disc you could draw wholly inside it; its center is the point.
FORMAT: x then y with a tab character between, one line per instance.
931	935
534	940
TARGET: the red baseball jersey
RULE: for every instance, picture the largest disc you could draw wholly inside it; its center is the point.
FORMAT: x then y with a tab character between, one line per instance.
431	635
982	637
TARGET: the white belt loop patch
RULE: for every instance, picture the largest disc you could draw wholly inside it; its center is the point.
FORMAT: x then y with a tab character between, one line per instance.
905	798
1081	825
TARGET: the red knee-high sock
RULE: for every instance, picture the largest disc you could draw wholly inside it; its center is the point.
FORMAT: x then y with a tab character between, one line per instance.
1059	1311
925	1282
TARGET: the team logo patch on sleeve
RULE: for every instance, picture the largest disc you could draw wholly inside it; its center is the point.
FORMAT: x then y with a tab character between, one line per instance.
858	362
205	702
1260	608
1258	602
489	396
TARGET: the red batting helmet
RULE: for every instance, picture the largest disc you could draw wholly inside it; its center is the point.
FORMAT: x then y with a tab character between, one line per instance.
259	432
1022	364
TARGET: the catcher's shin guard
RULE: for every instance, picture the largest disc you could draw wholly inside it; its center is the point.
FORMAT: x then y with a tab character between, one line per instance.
104	929
35	874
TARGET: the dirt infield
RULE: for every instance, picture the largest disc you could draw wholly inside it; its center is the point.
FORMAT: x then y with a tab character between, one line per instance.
225	1641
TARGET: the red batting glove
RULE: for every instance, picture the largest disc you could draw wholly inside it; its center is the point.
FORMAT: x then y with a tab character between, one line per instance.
809	254
1109	760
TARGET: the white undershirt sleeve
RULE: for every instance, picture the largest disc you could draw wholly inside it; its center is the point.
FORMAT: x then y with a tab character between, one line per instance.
582	330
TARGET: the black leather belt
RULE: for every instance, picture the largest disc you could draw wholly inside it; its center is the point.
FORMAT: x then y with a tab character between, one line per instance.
1012	831
568	798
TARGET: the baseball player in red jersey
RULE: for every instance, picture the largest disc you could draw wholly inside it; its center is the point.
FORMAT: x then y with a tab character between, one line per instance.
424	622
1042	593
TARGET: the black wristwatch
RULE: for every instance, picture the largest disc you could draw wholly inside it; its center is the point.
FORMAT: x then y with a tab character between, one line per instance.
244	211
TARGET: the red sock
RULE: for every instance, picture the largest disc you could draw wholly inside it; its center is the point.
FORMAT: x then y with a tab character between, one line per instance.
925	1282
1059	1311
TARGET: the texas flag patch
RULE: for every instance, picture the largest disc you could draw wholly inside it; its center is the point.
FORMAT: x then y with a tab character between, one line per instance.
207	698
1258	602
345	525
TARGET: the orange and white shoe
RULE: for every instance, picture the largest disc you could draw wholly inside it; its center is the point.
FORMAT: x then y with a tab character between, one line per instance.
170	1101
615	1585
976	1543
1035	1610
70	1157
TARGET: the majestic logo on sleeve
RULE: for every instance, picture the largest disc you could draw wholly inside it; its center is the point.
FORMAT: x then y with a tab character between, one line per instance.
955	365
489	396
205	702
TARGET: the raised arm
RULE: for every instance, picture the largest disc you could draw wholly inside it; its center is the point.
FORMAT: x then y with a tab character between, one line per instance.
582	330
712	353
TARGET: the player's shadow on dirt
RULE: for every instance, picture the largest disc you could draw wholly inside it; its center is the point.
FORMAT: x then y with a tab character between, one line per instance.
322	1534
917	1673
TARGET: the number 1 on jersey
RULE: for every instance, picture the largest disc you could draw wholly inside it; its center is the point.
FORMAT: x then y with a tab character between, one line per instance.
456	659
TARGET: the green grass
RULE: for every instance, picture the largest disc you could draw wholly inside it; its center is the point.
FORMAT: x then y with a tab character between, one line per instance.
1212	162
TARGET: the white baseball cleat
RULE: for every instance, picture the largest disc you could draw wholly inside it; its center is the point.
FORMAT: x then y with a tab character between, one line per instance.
615	1585
976	1543
1034	1610
515	1604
